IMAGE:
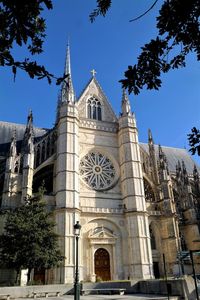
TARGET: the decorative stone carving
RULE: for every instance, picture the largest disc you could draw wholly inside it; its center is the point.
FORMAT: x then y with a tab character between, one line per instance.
97	171
102	235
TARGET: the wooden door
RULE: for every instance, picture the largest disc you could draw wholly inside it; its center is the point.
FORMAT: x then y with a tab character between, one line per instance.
39	276
102	264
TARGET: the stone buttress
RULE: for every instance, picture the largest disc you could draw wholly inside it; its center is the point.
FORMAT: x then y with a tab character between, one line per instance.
140	257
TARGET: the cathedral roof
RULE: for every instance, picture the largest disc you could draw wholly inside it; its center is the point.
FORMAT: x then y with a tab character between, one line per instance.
174	155
7	129
6	133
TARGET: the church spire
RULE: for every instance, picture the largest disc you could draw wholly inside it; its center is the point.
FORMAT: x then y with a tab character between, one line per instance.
67	90
163	165
150	137
195	174
185	174
12	153
68	62
196	180
153	158
28	135
126	107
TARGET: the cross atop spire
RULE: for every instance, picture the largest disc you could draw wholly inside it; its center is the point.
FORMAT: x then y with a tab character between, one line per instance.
93	72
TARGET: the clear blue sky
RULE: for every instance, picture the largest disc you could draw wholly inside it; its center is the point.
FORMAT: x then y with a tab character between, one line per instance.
109	45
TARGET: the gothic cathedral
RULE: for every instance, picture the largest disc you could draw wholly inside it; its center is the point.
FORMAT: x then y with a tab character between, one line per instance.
134	201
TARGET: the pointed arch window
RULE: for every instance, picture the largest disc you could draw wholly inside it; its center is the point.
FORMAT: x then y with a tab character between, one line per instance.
94	109
152	238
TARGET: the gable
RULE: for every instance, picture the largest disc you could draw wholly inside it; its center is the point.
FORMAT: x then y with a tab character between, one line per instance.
94	90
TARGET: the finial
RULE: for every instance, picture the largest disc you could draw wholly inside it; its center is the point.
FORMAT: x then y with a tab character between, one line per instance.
195	171
93	72
13	143
29	126
14	136
163	159
183	166
179	165
195	174
30	116
150	137
160	150
126	107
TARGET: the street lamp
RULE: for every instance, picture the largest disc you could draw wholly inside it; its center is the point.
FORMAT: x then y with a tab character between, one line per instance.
77	229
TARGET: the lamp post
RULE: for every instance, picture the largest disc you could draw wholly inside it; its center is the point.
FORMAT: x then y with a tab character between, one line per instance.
77	229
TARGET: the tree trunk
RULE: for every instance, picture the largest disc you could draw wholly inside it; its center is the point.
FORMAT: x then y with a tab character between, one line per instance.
29	275
17	278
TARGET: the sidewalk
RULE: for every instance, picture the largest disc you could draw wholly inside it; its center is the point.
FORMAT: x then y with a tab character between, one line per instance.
109	297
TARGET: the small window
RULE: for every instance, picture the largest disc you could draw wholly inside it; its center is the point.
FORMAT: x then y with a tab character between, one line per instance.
94	109
152	238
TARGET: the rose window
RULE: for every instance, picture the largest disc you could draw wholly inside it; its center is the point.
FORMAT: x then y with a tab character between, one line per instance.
97	171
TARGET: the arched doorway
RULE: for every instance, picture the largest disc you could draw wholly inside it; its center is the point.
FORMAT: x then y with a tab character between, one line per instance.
102	264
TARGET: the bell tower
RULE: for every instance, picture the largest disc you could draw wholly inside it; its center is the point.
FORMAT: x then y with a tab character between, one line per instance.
67	174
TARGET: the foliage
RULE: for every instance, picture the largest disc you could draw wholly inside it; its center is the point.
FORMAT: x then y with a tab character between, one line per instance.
194	141
29	240
178	35
102	8
178	27
21	24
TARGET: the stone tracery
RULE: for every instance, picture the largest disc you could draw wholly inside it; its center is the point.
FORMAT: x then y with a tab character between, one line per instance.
97	170
94	109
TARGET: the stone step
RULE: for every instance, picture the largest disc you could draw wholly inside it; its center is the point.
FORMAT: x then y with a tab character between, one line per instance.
152	297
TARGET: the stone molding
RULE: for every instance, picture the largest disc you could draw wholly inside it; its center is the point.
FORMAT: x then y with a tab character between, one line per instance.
102	210
98	125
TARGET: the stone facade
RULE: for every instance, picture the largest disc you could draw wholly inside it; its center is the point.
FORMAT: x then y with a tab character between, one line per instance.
135	202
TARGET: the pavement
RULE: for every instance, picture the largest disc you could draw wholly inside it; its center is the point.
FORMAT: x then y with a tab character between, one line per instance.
110	297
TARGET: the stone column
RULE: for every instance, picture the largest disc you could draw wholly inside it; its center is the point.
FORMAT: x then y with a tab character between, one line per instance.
92	270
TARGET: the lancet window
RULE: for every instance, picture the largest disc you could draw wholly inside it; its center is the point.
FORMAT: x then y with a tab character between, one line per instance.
152	238
16	166
45	148
94	109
